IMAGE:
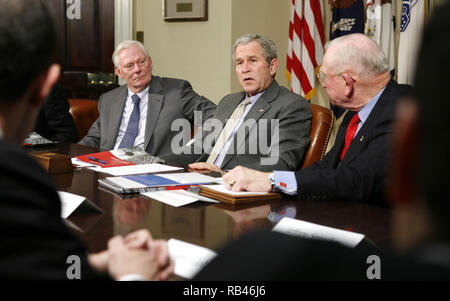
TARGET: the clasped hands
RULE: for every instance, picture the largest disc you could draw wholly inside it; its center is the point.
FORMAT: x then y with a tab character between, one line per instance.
135	254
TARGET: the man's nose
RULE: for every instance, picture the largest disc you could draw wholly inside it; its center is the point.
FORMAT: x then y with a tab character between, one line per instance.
245	67
137	68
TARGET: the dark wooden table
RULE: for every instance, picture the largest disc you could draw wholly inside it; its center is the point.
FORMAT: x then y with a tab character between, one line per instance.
208	225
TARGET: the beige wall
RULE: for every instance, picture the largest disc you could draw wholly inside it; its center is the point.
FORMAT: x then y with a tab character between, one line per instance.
196	51
265	17
201	51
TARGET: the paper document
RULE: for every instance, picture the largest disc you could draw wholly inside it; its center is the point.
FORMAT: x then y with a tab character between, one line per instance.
148	182
303	229
69	202
223	189
177	198
138	169
189	177
118	157
189	258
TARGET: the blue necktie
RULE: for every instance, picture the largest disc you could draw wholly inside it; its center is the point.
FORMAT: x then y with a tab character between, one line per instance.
133	125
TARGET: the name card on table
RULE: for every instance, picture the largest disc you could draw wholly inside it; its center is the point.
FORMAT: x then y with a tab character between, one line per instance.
308	230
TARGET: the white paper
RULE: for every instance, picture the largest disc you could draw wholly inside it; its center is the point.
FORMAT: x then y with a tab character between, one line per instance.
189	177
222	188
189	258
80	163
303	229
178	197
137	169
69	202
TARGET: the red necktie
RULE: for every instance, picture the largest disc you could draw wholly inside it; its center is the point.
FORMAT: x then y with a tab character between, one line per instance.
350	134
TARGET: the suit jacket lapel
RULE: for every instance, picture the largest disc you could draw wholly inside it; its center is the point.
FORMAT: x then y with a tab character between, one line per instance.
225	112
155	103
115	116
260	108
364	133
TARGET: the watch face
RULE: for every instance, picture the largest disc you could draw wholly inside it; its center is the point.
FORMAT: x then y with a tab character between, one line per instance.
272	178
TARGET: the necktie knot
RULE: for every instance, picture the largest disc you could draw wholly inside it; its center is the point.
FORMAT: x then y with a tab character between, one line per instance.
245	102
136	99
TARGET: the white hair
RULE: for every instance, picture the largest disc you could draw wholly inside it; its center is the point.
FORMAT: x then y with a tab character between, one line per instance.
358	53
124	45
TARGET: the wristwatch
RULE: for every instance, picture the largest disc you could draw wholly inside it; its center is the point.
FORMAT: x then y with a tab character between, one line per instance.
271	179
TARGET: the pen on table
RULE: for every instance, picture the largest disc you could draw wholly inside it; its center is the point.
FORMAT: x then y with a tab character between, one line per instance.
97	160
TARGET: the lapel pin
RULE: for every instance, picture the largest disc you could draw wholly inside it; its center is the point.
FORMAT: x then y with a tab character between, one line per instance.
261	110
362	138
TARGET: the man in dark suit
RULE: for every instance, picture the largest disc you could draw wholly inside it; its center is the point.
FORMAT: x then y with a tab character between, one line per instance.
264	127
143	111
419	191
356	76
35	244
54	121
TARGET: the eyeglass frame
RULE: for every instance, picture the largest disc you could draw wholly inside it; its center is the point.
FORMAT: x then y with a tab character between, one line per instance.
322	77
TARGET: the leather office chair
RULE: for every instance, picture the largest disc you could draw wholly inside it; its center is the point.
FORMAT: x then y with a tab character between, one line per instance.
84	112
321	127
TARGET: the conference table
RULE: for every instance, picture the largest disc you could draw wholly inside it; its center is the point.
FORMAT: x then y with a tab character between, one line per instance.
204	224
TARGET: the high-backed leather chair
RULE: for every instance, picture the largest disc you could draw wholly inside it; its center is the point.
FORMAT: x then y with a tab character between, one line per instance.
84	112
321	127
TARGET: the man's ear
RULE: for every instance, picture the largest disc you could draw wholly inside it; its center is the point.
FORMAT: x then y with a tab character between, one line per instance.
273	66
43	85
349	85
118	72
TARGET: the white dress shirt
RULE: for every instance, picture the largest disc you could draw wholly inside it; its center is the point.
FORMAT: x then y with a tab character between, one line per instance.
225	148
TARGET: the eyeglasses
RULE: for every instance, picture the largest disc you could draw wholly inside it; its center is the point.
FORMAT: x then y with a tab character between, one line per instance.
322	77
141	63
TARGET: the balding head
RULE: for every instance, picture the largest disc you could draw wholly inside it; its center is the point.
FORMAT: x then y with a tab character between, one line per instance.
356	53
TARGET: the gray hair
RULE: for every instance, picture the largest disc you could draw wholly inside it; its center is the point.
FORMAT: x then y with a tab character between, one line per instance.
358	53
124	45
269	47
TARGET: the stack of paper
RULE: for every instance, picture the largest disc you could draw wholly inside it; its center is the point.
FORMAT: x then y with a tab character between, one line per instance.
147	183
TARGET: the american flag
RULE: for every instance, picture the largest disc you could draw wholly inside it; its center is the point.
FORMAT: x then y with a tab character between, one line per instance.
305	49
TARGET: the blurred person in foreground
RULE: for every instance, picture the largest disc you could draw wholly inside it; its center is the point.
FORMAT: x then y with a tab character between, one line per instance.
35	243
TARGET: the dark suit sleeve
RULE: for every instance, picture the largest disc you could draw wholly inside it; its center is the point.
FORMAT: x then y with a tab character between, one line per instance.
192	102
294	136
35	243
55	121
358	180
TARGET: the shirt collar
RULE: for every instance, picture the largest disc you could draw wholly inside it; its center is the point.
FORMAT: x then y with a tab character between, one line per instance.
254	98
365	111
140	94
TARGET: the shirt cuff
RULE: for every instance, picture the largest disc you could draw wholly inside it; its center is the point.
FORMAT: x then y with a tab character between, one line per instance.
286	182
133	277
